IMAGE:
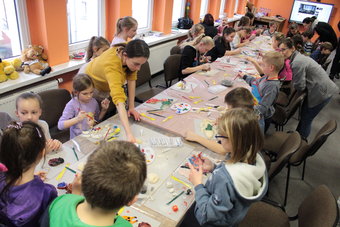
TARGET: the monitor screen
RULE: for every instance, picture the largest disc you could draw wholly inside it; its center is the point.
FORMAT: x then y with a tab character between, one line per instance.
302	9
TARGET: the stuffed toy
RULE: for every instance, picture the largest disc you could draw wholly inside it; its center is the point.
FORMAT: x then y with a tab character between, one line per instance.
35	61
8	70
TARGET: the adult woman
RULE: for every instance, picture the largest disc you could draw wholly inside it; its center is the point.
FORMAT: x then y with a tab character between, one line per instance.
109	72
308	75
190	60
222	45
209	28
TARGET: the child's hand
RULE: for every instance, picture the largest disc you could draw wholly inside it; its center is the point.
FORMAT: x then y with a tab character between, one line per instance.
208	165
91	122
41	174
52	145
195	177
105	104
81	115
250	59
76	185
205	67
190	136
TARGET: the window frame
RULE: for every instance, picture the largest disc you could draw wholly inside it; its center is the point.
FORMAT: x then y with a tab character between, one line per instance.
222	11
236	6
74	47
175	23
205	10
23	26
149	18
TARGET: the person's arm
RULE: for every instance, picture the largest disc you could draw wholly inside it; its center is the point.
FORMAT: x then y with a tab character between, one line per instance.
248	79
210	144
256	64
132	92
125	121
299	72
232	52
69	117
187	60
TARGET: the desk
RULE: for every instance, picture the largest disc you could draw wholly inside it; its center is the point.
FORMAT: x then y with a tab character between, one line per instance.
266	20
151	207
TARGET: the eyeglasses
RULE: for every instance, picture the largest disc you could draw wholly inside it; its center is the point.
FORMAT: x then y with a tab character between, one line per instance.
218	137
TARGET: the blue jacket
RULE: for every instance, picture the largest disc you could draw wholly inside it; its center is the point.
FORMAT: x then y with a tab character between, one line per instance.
225	198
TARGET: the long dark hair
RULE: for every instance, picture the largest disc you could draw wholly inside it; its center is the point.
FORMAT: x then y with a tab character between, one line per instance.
208	19
21	145
95	41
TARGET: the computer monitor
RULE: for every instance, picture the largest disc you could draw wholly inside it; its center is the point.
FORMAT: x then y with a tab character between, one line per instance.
302	9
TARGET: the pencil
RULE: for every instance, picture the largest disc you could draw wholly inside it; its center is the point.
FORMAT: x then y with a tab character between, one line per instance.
157	115
168	203
107	133
213	98
180	181
186	98
156	110
73	171
207	83
75	153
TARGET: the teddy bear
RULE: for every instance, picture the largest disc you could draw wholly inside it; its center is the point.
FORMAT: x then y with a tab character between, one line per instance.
8	69
35	61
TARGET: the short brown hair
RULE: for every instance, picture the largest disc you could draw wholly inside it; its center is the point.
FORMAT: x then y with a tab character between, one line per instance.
241	126
28	95
240	97
274	58
82	82
326	46
113	175
279	36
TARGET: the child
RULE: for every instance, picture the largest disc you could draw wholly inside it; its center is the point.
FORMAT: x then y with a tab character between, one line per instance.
244	22
266	89
112	178
23	196
237	98
241	34
307	42
195	31
28	108
190	60
82	111
293	30
238	181
222	45
271	30
325	50
96	47
277	39
126	29
223	25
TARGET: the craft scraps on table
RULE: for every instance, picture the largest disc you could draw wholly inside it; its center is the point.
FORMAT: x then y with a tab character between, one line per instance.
181	108
73	171
158	115
198	101
175	208
75	153
114	134
149	154
55	161
180	181
168	118
144	224
146	116
65	186
130	219
195	160
168	203
164	102
62	172
166	141
208	128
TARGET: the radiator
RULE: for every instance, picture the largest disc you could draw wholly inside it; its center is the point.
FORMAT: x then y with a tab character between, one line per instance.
158	55
7	103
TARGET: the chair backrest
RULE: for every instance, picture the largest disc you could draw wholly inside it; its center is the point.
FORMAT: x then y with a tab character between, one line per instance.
262	214
143	75
310	149
319	208
175	50
54	102
171	67
291	145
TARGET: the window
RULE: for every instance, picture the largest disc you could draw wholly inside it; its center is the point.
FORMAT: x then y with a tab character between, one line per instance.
204	8
85	19
142	12
13	28
236	6
177	11
222	13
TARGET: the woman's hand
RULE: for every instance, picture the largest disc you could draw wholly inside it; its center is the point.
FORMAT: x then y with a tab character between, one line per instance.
131	138
195	176
134	113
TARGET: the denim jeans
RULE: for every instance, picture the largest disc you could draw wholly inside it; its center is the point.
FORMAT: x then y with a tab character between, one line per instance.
307	116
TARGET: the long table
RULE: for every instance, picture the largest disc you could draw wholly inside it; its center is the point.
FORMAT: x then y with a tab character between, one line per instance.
165	166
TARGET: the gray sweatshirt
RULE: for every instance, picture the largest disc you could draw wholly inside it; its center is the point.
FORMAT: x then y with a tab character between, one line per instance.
225	198
269	90
308	74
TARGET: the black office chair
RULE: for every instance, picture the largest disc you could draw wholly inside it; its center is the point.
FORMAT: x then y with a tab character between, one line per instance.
171	68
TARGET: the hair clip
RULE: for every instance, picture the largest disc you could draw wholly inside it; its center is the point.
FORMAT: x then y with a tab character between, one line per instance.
16	125
38	132
3	168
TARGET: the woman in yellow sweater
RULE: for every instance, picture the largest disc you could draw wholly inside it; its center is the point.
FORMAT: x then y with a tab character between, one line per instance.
111	70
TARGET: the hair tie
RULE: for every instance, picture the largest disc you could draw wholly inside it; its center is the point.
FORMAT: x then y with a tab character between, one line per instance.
38	132
16	125
3	168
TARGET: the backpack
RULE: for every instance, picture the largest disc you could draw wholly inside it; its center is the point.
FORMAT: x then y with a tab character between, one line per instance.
184	23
